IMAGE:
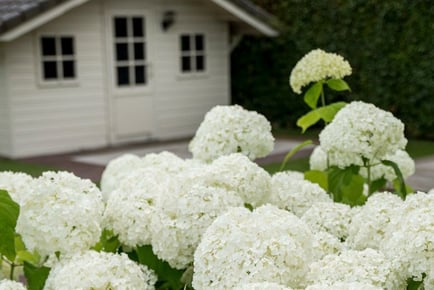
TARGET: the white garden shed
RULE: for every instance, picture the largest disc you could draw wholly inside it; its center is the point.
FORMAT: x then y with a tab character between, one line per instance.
82	74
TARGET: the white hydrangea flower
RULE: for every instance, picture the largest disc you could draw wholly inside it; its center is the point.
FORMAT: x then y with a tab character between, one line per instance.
401	158
100	270
330	217
325	244
17	184
344	286
268	244
181	218
11	285
367	266
428	282
431	191
361	130
369	223
62	214
116	170
294	194
235	172
318	159
232	129
409	239
131	206
166	161
318	65
261	286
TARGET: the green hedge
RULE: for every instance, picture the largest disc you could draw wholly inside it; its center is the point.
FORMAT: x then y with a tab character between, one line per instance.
389	44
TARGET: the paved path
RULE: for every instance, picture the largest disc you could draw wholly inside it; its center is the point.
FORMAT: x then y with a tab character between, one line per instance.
91	164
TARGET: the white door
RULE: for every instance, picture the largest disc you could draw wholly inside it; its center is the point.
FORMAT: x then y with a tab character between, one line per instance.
131	93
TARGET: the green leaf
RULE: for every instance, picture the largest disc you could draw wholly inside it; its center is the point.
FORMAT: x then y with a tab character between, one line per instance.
9	211
293	151
402	190
318	177
312	95
326	113
167	276
377	184
413	284
36	276
108	242
346	185
338	85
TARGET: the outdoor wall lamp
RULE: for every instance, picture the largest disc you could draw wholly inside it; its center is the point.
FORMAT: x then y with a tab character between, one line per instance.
168	19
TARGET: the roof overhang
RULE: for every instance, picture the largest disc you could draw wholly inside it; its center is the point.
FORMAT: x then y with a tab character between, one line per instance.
254	22
40	19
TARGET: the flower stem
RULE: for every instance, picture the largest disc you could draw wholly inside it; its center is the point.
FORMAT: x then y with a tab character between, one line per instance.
323	102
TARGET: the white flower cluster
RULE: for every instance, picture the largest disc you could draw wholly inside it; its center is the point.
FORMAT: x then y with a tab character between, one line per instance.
182	217
232	129
344	286
290	192
130	208
62	213
11	285
17	184
261	286
370	222
100	270
361	131
318	65
368	266
330	217
268	244
409	240
236	172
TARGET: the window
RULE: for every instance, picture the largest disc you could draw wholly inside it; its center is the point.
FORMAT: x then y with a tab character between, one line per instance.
130	51
58	58
192	48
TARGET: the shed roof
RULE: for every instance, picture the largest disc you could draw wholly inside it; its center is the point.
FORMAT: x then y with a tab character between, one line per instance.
16	13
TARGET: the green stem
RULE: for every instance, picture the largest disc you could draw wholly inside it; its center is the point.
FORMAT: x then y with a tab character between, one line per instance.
323	102
11	275
369	179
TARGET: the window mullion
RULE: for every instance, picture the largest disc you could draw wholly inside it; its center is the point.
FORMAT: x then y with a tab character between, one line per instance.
59	54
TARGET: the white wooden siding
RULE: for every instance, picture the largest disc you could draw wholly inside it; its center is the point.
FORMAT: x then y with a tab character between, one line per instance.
50	119
5	129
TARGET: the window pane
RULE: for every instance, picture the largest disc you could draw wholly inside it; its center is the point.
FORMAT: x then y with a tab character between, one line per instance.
200	45
186	63
139	51
120	24
123	76
50	70
185	43
138	27
48	46
121	51
68	69
67	45
140	71
200	63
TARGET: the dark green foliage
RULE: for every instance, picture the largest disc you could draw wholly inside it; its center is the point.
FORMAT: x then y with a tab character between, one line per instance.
389	44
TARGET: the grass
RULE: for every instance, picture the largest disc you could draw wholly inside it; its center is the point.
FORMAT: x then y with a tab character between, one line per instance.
17	166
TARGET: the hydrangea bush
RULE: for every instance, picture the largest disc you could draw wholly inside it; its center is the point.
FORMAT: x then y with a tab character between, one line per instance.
219	221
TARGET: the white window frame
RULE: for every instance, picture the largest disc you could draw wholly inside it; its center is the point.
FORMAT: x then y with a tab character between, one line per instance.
58	58
131	63
193	53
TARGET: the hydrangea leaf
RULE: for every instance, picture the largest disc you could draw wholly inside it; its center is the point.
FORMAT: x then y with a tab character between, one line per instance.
9	211
377	184
326	113
293	151
318	177
402	190
36	276
312	95
338	85
346	185
168	277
